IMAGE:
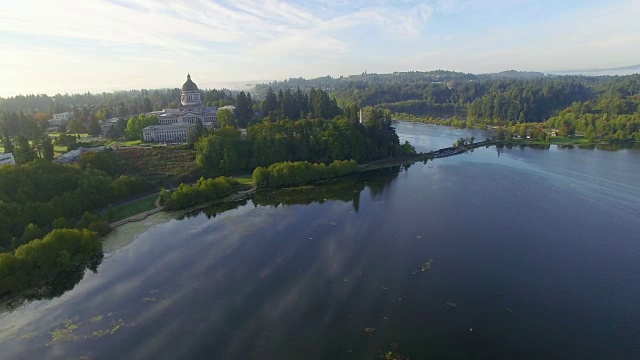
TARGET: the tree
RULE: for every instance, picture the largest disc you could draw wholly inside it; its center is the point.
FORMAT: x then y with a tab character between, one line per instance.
6	141
47	148
244	109
195	133
23	151
76	126
270	103
94	127
226	118
136	124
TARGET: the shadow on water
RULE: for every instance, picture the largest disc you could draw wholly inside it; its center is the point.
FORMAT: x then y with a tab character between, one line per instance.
346	189
56	285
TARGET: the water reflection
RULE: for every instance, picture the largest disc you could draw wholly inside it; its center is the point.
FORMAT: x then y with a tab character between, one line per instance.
346	190
59	283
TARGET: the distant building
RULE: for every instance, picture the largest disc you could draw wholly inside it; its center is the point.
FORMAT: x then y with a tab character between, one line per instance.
189	113
7	158
108	125
74	155
61	119
167	133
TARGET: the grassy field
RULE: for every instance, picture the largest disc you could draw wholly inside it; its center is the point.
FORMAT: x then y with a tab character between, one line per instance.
244	180
568	140
134	207
117	143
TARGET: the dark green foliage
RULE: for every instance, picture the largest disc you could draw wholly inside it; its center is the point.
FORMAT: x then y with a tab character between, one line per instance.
94	127
222	151
301	172
244	109
307	140
84	144
24	153
47	148
100	160
35	267
225	151
45	193
195	133
65	140
6	141
612	119
204	190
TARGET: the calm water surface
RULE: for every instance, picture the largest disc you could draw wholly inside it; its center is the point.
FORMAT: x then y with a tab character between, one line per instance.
539	250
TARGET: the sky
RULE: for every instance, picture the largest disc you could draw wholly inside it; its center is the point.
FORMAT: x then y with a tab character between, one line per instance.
69	46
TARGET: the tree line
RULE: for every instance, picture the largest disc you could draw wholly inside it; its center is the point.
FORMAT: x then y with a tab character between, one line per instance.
300	172
204	190
323	141
611	119
41	195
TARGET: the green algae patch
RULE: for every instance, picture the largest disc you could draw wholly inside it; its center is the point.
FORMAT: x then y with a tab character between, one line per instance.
115	326
426	266
28	335
393	353
97	319
67	333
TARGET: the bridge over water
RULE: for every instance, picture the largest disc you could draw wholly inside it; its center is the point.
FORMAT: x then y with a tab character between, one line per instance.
410	159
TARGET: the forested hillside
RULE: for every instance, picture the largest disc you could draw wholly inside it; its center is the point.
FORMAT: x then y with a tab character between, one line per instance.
490	98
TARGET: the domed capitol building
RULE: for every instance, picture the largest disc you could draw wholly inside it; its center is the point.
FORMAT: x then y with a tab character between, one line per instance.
175	123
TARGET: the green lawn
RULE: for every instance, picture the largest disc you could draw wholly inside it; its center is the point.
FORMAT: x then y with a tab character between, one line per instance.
244	180
135	207
568	140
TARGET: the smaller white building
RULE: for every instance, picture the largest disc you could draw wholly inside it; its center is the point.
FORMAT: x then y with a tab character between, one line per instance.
7	158
167	133
61	119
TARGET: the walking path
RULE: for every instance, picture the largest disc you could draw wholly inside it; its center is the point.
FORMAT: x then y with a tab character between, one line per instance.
139	217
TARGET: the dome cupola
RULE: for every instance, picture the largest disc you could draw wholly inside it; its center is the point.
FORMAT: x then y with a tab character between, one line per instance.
189	85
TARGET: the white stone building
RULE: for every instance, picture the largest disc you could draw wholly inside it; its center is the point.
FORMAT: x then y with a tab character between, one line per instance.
191	110
167	133
7	158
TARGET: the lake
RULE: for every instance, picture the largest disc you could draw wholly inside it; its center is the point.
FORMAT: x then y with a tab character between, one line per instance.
497	253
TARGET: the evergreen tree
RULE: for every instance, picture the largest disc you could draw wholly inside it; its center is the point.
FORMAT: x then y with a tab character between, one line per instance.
47	148
23	151
270	103
94	127
6	141
244	110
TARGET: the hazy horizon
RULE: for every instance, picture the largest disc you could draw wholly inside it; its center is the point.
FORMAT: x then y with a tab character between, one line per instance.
109	45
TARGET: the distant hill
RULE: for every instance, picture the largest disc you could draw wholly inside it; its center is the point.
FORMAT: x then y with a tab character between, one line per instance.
514	74
624	70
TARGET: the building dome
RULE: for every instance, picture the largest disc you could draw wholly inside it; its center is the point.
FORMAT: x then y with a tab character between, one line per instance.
189	85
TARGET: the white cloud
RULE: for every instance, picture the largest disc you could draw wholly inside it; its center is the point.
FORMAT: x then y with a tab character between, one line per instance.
55	44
